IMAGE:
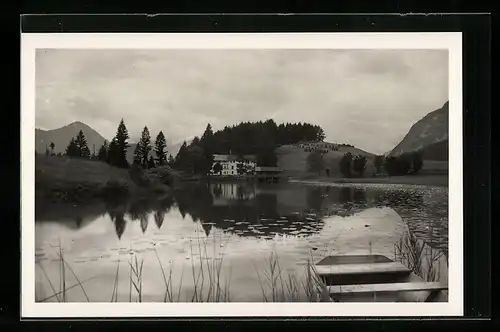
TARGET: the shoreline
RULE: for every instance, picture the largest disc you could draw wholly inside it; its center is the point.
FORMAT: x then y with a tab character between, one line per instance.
422	180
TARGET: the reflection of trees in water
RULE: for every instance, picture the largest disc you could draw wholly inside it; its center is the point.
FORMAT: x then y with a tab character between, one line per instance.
345	196
241	212
359	196
144	222
138	210
116	212
161	208
79	221
159	217
120	224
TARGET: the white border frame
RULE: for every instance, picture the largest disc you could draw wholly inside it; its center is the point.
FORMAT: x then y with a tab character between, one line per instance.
450	41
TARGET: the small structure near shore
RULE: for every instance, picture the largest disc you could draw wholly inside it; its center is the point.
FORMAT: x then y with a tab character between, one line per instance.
268	174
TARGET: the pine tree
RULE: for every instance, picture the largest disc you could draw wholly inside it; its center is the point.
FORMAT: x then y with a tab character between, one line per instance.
72	149
195	141
103	152
207	143
121	141
151	162
81	144
52	146
137	155
179	161
113	153
145	146
171	160
160	146
208	134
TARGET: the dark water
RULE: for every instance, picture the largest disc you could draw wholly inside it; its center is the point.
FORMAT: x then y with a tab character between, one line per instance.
238	223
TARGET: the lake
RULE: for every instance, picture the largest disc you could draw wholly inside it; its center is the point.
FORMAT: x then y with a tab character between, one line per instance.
214	242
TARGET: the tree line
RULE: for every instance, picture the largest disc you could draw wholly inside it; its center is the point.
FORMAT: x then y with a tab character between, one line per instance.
246	138
115	153
407	163
355	165
262	138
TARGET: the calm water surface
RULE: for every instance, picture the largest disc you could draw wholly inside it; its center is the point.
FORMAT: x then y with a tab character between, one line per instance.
232	226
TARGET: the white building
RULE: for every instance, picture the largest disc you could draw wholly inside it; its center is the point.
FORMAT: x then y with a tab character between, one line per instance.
230	164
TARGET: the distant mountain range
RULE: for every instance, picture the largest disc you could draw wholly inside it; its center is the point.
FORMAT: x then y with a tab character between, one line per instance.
428	135
63	135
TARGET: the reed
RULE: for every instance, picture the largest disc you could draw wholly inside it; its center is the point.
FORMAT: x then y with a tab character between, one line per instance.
206	274
422	259
276	286
211	281
61	295
136	277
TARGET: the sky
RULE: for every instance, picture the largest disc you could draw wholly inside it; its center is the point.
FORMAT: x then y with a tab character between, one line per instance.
368	98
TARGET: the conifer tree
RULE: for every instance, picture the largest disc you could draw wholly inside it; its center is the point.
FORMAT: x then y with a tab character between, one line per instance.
171	160
121	142
113	153
145	146
160	146
102	155
81	144
52	146
72	149
137	155
151	162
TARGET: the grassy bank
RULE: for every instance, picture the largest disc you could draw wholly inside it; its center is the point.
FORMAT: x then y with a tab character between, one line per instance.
418	179
63	179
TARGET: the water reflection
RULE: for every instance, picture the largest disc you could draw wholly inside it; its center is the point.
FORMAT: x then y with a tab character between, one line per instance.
244	209
260	210
250	219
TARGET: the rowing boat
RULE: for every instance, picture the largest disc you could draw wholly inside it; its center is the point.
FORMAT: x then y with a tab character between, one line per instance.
375	278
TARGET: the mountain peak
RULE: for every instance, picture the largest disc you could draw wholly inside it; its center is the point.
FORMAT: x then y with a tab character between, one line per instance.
61	137
432	129
77	124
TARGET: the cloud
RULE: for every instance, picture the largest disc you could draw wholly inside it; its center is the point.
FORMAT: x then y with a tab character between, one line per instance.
369	98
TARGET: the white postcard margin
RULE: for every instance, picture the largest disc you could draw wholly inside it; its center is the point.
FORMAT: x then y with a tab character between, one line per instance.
31	42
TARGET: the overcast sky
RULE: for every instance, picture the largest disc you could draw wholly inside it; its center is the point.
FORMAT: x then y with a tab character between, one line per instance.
368	98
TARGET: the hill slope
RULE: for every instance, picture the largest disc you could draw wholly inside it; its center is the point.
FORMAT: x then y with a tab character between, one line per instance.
293	159
429	135
62	136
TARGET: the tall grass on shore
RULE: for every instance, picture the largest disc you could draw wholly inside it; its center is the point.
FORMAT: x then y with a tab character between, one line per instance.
422	259
210	284
278	286
61	295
